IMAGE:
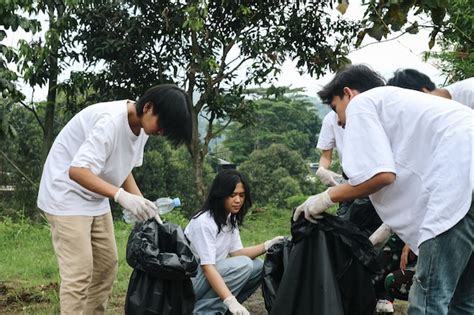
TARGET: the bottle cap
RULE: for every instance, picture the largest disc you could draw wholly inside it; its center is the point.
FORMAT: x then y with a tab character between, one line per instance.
177	202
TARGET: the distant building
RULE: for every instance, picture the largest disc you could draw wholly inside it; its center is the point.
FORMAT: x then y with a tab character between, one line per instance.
313	167
225	165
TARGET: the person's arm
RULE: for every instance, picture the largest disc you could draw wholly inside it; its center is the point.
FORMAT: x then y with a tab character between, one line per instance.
251	252
257	250
140	207
346	192
131	186
325	159
216	281
84	177
221	289
317	204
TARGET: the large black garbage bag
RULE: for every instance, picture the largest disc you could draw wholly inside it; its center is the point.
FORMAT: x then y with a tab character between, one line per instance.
163	265
276	260
329	271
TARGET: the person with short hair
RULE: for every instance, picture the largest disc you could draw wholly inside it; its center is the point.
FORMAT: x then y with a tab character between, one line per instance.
461	91
224	282
412	154
90	161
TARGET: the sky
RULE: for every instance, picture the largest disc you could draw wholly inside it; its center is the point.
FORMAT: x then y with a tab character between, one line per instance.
384	57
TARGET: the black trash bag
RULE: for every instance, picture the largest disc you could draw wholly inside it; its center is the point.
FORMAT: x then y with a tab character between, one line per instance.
163	265
329	271
275	263
362	213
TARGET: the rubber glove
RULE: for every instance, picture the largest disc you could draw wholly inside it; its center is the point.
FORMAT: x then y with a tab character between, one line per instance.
380	236
328	177
138	206
314	206
273	241
235	307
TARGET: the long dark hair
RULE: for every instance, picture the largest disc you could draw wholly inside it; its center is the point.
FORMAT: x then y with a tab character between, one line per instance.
222	187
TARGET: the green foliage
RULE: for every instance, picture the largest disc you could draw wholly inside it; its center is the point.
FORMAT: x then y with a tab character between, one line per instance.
457	43
291	121
294	201
275	173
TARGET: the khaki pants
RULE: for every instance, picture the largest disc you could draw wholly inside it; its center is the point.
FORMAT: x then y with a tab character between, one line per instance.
88	262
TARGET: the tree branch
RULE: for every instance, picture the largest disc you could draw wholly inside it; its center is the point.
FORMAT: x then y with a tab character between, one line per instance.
18	170
35	114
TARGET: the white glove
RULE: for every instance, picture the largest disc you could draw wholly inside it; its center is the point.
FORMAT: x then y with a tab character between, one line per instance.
273	241
380	236
314	206
138	206
235	307
328	177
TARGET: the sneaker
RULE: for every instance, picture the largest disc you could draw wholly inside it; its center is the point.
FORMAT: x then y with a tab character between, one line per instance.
384	306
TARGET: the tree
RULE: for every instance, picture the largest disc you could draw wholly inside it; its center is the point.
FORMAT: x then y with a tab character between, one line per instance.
279	118
276	173
451	25
201	45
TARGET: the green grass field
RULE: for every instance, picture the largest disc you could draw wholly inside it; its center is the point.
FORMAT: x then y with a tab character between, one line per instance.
29	279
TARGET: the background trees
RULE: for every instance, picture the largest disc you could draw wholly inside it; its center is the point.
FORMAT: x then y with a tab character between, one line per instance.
216	50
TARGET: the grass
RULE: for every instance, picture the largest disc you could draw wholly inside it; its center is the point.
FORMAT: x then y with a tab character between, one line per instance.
29	279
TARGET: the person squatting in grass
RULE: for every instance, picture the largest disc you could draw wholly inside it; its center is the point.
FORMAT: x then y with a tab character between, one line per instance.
225	282
90	161
412	154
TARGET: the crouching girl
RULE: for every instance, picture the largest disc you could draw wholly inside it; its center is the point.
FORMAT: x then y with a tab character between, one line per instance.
225	282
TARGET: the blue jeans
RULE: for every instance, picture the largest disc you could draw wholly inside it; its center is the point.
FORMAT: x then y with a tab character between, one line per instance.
242	276
444	277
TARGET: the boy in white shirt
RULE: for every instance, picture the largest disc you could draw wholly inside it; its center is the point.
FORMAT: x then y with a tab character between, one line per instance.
90	161
461	92
330	137
412	153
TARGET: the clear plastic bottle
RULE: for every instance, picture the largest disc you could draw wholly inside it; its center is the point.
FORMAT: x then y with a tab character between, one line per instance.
163	205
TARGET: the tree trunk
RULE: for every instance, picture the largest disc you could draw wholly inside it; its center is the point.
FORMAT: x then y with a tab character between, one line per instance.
197	157
48	136
49	114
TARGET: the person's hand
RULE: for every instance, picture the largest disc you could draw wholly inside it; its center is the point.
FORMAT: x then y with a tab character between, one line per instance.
404	258
138	206
328	177
380	236
314	206
235	307
273	241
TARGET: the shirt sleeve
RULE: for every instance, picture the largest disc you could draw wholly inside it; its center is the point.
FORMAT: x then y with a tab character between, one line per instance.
326	138
367	149
203	238
95	150
236	241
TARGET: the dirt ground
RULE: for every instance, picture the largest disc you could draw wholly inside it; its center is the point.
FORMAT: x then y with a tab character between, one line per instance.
256	306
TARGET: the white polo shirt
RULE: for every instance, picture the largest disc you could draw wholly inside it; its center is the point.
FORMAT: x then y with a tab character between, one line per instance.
462	92
98	138
209	245
427	141
331	134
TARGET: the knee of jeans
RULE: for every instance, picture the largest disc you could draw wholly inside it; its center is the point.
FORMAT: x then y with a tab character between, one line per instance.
245	265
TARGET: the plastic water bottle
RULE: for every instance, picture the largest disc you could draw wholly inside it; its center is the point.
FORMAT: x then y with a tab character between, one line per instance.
163	205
